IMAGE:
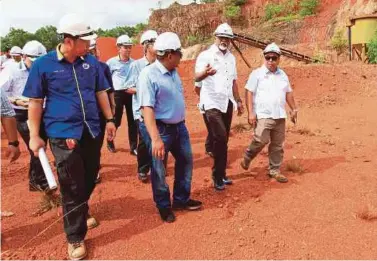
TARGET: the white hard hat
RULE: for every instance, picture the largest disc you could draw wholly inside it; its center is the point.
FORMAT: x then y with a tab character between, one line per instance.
93	44
149	35
224	30
15	51
75	25
124	40
34	49
272	48
167	41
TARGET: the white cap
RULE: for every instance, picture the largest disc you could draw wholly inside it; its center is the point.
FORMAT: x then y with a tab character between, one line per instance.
224	30
34	49
167	41
93	44
75	25
149	35
124	40
15	51
272	48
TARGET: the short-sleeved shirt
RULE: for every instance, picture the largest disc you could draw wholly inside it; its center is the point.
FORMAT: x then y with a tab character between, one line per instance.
120	71
135	69
162	90
270	90
6	107
13	80
217	90
108	76
70	91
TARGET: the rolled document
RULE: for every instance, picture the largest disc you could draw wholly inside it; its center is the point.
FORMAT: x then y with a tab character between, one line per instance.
47	169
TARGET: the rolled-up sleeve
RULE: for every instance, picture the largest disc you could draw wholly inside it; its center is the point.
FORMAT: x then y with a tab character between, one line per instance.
252	82
146	90
6	107
35	85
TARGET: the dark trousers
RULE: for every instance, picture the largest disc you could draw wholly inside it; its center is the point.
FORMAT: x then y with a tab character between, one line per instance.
176	140
143	158
219	126
37	178
209	139
124	100
101	136
77	171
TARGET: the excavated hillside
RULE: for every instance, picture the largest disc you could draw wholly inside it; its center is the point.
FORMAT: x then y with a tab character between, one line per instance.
195	23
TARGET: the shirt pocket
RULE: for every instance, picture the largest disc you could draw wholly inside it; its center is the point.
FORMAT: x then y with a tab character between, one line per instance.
61	82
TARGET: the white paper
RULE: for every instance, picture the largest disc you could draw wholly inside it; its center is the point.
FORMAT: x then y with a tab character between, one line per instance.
47	169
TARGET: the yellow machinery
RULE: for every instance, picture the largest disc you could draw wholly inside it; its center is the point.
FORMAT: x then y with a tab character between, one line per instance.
361	30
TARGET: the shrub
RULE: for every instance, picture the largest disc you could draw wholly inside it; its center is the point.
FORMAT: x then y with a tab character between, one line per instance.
232	11
272	10
372	50
308	7
338	42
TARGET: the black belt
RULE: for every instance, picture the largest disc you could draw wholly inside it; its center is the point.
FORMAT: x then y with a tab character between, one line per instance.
169	124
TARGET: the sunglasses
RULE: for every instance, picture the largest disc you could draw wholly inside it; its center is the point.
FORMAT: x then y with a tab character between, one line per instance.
271	58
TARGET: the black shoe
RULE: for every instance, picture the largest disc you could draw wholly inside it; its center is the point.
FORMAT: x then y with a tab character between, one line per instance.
133	152
143	177
227	181
219	185
167	215
189	205
111	146
209	153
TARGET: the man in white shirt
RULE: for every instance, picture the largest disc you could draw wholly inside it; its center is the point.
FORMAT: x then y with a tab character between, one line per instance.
12	81
216	69
268	90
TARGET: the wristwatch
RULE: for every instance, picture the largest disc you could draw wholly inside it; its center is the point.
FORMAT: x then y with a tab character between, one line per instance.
110	120
14	143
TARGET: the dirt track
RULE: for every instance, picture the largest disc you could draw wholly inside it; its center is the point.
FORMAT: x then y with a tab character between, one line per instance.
313	216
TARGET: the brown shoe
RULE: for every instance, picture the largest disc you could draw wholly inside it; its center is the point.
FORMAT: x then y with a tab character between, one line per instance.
278	176
77	250
244	164
91	222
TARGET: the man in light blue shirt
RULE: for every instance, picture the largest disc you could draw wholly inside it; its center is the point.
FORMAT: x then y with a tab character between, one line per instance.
147	40
161	99
120	71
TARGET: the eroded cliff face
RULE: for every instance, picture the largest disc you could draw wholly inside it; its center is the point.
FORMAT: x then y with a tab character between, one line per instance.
190	22
197	22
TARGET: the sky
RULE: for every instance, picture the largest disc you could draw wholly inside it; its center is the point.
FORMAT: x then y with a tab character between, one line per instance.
33	14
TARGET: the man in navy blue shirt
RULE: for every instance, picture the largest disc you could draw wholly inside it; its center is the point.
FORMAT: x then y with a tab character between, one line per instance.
74	87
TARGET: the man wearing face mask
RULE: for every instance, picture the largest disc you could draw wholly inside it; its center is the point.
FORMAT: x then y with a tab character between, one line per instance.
216	70
13	80
147	40
74	86
268	90
120	70
161	99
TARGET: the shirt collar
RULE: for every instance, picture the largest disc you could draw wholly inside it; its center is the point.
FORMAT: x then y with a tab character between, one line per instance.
60	55
161	67
216	50
118	58
267	71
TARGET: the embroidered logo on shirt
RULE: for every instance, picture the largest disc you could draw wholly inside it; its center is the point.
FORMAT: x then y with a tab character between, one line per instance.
86	66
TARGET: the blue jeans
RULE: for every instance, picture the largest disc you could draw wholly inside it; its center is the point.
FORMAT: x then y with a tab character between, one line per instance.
176	141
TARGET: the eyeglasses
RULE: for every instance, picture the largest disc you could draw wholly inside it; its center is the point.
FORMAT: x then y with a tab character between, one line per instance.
271	58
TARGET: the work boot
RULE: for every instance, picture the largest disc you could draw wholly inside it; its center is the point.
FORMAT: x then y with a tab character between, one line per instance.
77	250
91	222
167	215
245	164
275	173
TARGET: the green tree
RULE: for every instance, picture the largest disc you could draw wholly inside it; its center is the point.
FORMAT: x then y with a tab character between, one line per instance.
272	10
47	36
372	50
207	1
18	37
308	7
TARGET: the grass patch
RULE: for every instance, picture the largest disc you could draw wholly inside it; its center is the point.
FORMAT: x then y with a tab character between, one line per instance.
295	166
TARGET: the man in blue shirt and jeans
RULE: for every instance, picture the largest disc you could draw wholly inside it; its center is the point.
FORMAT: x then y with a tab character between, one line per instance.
74	86
161	99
